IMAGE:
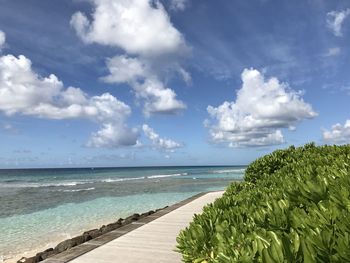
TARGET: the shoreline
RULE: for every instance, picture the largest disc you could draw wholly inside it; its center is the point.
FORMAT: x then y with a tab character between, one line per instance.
104	233
41	254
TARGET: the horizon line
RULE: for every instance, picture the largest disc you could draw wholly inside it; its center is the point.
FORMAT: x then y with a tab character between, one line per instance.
120	167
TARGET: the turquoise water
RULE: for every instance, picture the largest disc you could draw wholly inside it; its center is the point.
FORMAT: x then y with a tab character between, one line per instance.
41	207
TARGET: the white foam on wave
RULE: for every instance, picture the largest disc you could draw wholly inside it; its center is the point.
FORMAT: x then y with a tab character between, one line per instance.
238	171
78	190
37	185
83	182
156	176
63	184
110	180
164	175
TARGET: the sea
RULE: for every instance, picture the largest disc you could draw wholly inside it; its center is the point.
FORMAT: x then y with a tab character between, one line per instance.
41	207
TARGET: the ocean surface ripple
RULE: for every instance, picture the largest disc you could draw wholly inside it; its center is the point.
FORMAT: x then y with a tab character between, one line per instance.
40	207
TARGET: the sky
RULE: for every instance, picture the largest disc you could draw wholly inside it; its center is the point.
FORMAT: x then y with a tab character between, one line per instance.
90	83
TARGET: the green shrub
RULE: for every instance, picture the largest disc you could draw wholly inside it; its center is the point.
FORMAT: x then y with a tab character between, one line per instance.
294	206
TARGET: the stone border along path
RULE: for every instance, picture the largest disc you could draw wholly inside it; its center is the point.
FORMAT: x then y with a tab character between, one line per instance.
150	239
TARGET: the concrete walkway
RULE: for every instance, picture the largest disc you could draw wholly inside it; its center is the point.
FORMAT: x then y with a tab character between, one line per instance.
151	242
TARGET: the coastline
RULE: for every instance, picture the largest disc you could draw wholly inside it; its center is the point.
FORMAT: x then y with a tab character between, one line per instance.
55	248
43	208
104	233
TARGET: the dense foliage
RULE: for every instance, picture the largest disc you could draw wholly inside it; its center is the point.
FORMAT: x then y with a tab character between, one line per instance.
294	206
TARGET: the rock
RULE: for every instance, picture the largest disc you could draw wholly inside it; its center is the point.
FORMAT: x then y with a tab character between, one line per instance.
110	227
22	260
27	260
64	245
49	250
91	234
45	254
147	213
130	219
78	240
86	236
115	225
103	230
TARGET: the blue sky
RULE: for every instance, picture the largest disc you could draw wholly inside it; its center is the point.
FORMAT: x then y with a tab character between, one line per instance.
177	82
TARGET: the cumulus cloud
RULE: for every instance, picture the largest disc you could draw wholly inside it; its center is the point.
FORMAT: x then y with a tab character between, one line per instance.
136	26
178	5
2	39
113	135
254	138
335	20
261	110
159	99
125	69
143	29
339	134
22	91
158	142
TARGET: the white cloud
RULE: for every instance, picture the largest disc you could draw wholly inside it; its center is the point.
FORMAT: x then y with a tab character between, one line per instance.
339	134
24	92
113	135
261	109
123	69
2	39
335	20
143	29
334	51
21	89
253	138
158	142
136	26
178	5
186	76
158	99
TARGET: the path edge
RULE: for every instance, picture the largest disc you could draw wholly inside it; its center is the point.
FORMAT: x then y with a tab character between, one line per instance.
92	244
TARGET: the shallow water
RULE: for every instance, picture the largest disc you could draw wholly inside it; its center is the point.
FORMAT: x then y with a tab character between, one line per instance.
39	207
